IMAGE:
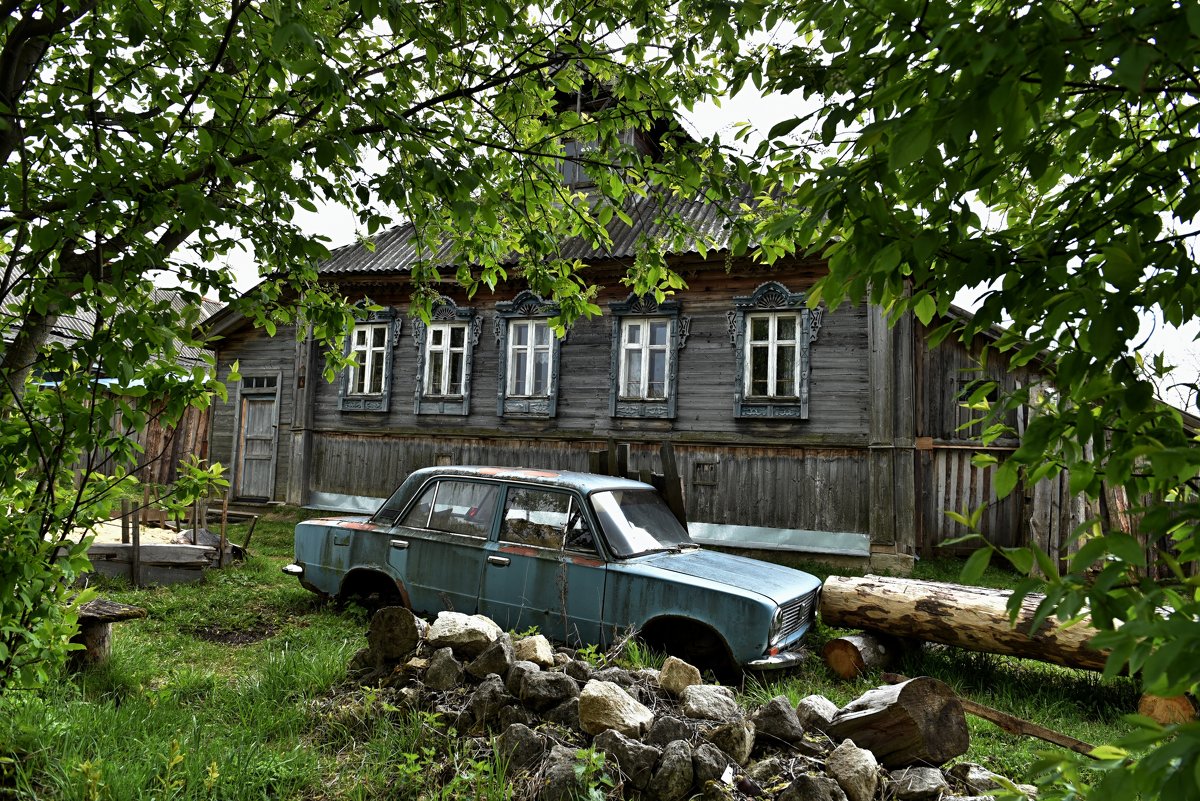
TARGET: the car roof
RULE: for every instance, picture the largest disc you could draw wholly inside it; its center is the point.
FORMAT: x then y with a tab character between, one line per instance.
566	479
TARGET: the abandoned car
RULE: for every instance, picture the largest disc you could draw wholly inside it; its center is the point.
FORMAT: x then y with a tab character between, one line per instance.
582	558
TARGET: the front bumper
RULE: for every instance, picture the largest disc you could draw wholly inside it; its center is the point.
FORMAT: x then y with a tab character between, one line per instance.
294	570
779	661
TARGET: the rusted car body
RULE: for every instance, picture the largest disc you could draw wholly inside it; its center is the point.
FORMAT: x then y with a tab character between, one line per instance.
583	558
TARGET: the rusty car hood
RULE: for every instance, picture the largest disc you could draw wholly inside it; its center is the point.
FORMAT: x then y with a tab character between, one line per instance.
779	583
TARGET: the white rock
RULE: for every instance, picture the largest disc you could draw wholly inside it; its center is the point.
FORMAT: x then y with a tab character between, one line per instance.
815	712
468	635
677	675
855	770
710	702
535	649
603	706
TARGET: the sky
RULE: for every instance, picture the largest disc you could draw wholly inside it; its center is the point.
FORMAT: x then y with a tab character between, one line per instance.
1180	346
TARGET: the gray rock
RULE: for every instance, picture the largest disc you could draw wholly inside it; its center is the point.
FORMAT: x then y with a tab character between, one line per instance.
636	760
487	700
618	676
363	660
513	713
561	658
812	787
444	671
545	689
560	781
979	779
764	771
535	649
673	778
667	729
395	633
710	702
815	712
776	722
496	658
603	705
468	635
579	670
735	738
855	769
713	790
677	675
647	675
521	745
918	784
516	674
565	714
708	763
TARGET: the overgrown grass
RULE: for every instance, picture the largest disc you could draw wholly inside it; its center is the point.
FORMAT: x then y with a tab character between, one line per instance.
233	689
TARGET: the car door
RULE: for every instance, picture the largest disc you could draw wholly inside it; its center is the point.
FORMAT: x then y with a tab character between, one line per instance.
438	548
543	571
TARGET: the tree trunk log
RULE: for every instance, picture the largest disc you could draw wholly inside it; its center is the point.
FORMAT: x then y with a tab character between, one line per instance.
855	654
1167	711
917	722
974	618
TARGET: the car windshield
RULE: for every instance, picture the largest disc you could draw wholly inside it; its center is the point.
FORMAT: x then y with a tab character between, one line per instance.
637	522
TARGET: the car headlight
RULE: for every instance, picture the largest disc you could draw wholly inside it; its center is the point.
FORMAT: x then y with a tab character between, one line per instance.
776	624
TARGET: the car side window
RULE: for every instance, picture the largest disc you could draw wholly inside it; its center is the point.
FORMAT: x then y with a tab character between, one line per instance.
535	517
457	507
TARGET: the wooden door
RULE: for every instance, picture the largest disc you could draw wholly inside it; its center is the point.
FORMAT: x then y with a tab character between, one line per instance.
256	448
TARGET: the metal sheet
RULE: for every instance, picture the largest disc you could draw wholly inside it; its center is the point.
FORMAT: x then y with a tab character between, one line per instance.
336	502
847	543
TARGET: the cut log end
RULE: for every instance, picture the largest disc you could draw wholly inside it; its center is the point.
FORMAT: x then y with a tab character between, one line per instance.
1167	711
918	722
856	654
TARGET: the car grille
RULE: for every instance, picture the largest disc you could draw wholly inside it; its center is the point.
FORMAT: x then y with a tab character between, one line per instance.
797	614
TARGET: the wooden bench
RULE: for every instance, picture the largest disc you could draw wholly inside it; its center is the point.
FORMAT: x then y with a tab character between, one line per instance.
95	630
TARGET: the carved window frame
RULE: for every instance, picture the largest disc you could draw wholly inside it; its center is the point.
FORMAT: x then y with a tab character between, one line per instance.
445	313
524	307
773	299
387	319
646	308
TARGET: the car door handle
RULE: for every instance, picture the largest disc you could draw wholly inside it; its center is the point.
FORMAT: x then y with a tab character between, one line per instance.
400	545
499	561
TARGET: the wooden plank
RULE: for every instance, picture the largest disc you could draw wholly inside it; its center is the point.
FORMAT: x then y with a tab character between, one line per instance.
674	484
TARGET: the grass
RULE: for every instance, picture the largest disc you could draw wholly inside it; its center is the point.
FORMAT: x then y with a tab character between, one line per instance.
234	689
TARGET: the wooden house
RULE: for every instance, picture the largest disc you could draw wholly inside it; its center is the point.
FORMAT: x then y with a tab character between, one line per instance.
819	431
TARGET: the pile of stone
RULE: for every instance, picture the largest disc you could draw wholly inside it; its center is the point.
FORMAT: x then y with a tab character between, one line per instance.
665	734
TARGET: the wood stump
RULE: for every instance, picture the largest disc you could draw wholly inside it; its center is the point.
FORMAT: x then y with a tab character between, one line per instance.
917	722
857	654
95	630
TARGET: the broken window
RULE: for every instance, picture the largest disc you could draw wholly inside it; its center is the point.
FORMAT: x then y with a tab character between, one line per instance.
771	332
647	338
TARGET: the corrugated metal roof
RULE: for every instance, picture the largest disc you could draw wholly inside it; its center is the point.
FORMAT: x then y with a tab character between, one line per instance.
394	251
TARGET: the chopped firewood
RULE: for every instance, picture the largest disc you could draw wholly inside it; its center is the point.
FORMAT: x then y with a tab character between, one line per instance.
1167	710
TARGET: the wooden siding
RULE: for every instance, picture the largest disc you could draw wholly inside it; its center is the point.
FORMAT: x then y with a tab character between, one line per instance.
947	480
817	489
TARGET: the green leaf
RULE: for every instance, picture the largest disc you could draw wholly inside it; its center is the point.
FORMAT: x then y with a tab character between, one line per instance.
1006	477
925	308
784	128
976	563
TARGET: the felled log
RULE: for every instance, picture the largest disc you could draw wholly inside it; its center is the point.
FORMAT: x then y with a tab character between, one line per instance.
916	722
855	654
974	618
1167	710
1011	723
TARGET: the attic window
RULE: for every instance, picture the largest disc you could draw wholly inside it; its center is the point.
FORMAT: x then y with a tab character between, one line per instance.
576	153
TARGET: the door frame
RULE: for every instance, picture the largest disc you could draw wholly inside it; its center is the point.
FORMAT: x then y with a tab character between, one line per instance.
272	392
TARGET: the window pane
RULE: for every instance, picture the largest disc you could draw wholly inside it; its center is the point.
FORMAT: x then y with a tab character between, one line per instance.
359	376
518	382
376	377
787	328
759	357
785	370
360	337
760	329
464	507
378	335
458	335
658	333
657	378
541	373
457	361
520	334
633	374
436	362
535	517
633	333
541	333
435	337
418	516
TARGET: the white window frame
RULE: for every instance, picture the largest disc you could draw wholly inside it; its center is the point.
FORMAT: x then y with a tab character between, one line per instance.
373	362
532	350
645	349
774	346
437	386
